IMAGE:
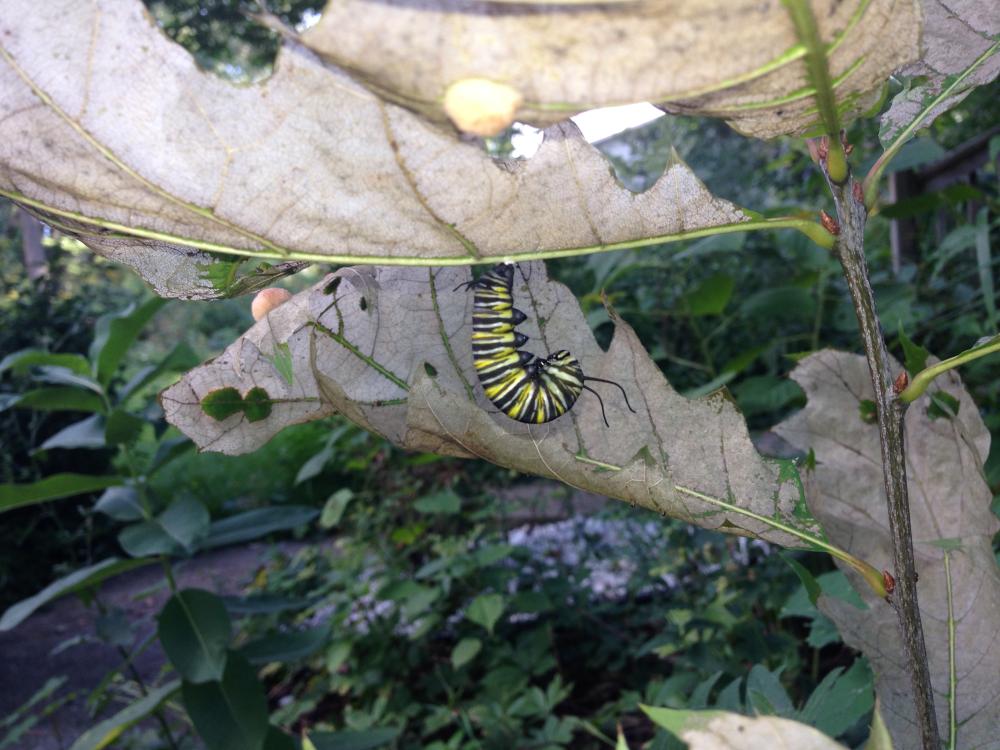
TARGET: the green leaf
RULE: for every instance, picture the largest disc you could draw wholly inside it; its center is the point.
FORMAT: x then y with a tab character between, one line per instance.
168	450
878	738
621	743
465	651
943	405
867	411
22	361
783	302
336	655
334	508
809	583
314	464
180	359
230	714
67	377
914	356
841	700
984	262
195	631
58	398
54	487
79	580
766	393
116	332
285	647
710	297
258	604
177	530
103	734
765	693
87	433
275	739
254	524
444	502
257	404
222	403
115	628
122	428
368	739
282	361
121	504
485	610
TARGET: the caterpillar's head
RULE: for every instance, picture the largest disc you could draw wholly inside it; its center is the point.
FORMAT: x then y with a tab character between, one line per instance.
505	271
563	362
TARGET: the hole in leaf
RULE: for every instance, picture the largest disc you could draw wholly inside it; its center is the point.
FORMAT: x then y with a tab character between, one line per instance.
363	304
222	403
430	369
331	287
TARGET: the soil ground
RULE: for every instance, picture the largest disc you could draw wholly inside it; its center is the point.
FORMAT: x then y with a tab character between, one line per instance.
27	662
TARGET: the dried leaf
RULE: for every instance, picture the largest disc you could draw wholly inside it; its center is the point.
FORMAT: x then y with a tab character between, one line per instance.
949	500
723	730
390	349
307	165
955	34
737	59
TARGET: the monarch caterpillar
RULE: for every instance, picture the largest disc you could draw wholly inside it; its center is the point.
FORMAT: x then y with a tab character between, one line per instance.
523	386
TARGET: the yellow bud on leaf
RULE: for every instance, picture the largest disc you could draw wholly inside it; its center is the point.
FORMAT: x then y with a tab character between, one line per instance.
268	299
480	106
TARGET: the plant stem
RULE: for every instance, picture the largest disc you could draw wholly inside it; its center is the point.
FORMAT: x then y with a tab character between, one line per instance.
849	247
952	677
926	376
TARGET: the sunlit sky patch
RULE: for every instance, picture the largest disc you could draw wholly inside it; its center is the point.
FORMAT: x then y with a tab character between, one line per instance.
595	124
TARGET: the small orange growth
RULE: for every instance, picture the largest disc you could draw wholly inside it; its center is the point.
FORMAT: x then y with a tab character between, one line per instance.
899	385
268	299
481	106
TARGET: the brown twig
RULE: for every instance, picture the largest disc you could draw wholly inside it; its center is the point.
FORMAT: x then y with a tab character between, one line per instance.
849	246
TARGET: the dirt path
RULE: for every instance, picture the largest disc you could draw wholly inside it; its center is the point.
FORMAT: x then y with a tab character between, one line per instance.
26	661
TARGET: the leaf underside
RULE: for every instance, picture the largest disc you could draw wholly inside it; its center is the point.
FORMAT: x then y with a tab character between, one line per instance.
366	348
949	500
735	59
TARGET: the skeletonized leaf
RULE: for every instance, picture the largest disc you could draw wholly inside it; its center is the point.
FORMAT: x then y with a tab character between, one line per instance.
306	165
955	35
949	501
736	59
390	349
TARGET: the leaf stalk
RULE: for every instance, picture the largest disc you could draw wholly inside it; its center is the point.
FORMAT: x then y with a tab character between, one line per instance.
922	380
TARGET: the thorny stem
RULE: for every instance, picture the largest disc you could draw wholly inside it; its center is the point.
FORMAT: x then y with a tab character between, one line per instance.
849	247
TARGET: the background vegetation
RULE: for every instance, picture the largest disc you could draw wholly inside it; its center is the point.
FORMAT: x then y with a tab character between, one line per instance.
425	605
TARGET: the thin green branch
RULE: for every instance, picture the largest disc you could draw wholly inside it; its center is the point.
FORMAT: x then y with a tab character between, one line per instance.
875	173
925	377
810	228
872	576
819	74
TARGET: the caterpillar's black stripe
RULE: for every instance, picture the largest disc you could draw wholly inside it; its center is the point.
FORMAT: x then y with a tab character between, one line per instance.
524	387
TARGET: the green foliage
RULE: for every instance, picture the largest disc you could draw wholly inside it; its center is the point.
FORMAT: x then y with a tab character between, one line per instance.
224	36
